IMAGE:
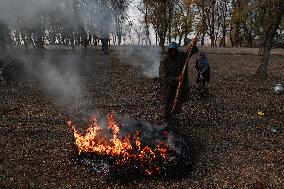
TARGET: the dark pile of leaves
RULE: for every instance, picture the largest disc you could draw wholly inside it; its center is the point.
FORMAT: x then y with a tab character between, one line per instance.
11	69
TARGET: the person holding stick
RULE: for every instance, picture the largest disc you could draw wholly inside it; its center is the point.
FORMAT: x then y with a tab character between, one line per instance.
203	74
174	78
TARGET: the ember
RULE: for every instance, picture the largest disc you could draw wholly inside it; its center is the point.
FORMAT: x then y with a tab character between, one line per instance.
147	148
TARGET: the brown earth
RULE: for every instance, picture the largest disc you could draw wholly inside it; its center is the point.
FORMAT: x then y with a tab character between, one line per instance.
235	148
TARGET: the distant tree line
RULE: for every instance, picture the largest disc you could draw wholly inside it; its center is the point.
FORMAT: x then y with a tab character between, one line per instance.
66	22
238	22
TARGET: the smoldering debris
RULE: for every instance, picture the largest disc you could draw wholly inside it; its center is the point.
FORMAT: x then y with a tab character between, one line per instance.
124	147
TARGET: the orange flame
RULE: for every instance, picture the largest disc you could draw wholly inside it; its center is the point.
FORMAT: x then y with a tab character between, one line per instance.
123	149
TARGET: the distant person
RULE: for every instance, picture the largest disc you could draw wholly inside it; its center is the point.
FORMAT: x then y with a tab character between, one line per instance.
203	73
171	74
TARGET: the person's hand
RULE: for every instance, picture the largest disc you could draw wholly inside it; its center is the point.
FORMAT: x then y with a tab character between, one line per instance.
194	41
181	78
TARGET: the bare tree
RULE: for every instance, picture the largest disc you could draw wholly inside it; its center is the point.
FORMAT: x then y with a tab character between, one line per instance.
235	25
208	13
270	15
118	9
224	12
161	14
183	20
144	9
201	7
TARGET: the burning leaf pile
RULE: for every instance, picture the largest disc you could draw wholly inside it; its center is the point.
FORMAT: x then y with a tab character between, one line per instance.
131	145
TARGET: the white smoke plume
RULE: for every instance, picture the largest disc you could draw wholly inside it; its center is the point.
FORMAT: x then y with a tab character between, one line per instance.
145	58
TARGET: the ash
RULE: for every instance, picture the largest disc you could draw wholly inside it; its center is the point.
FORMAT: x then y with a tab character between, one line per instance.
98	166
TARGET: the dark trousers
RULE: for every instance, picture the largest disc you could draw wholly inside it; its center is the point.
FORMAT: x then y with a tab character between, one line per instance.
169	99
205	78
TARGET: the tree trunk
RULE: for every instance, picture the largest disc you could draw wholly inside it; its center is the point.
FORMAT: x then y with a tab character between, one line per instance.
31	41
212	41
119	38
262	69
269	35
231	37
24	37
156	40
40	41
185	40
170	35
180	39
73	41
203	39
250	43
237	37
148	35
162	45
224	38
147	26
104	41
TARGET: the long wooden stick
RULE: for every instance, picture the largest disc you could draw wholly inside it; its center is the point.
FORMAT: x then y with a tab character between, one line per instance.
180	82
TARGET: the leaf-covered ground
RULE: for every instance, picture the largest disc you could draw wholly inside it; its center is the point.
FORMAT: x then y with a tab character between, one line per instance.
235	147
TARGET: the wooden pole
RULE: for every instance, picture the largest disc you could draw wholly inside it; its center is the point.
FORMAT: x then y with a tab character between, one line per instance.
180	82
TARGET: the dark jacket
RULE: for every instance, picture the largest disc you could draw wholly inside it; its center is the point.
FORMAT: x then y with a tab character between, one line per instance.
203	68
170	69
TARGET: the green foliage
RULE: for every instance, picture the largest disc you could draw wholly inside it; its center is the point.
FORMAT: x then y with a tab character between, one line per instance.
240	14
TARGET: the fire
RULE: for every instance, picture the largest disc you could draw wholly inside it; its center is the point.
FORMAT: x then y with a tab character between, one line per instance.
125	150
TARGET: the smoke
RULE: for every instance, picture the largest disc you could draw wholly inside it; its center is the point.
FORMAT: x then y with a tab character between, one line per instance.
57	75
144	58
26	9
71	15
65	82
59	78
149	134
